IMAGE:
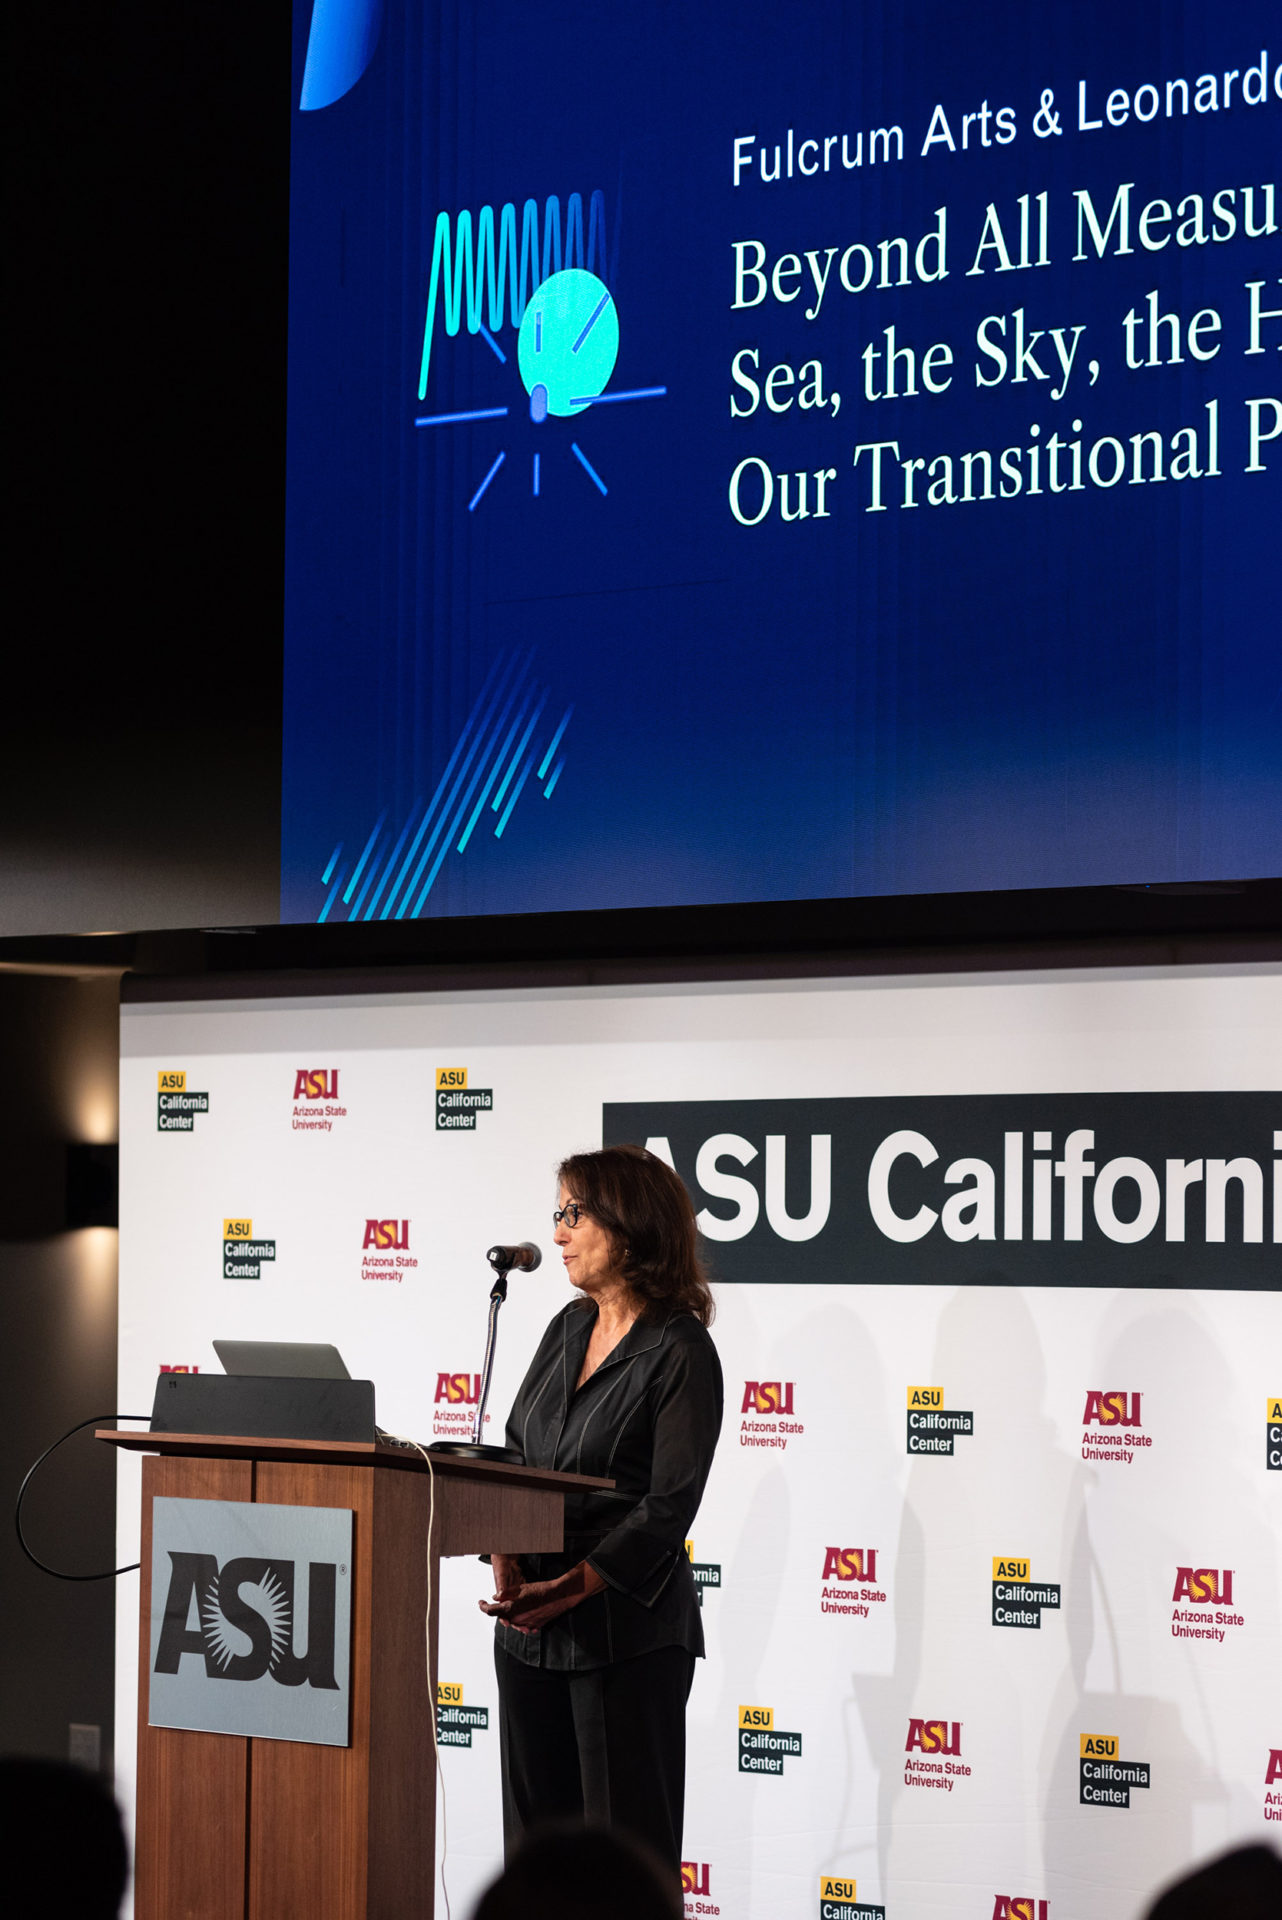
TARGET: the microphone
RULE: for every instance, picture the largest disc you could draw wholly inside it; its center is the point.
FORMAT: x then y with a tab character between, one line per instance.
526	1257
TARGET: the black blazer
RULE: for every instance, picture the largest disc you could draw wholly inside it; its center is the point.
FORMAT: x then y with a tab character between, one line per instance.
648	1419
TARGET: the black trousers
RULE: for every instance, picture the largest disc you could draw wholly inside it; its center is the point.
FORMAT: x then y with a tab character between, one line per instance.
607	1745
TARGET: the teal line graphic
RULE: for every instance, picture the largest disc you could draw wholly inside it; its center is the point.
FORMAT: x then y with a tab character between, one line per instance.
587	466
454	419
435	800
482	732
482	273
601	399
546	761
392	858
516	794
497	801
359	868
471	505
491	762
324	912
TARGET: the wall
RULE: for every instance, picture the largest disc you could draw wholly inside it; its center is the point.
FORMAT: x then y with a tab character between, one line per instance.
59	1049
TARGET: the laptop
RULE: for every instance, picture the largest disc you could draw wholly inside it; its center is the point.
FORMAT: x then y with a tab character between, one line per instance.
282	1359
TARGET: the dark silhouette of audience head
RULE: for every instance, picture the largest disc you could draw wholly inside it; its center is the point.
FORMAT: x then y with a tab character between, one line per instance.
573	1872
63	1840
1243	1885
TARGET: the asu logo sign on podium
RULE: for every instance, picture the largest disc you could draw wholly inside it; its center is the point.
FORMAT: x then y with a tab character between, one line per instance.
251	1619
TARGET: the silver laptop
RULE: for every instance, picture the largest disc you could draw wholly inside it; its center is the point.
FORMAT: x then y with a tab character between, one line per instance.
282	1359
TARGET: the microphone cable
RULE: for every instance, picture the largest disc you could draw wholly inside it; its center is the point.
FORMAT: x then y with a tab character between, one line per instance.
110	1573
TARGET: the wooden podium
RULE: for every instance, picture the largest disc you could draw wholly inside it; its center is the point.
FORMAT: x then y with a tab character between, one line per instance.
230	1828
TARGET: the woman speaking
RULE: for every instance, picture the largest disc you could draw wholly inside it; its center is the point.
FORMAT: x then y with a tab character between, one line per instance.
595	1646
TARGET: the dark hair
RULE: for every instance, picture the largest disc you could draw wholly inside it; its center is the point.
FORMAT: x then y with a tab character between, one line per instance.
1245	1884
572	1872
64	1829
645	1209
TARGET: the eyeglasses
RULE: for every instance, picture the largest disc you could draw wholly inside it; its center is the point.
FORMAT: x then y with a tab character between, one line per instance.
569	1215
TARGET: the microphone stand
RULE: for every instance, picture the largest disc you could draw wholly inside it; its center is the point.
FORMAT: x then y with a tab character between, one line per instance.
476	1448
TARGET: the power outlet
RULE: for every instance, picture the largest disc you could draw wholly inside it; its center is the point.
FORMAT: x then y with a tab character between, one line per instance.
84	1746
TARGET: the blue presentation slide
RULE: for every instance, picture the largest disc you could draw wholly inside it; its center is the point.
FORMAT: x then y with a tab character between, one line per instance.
748	453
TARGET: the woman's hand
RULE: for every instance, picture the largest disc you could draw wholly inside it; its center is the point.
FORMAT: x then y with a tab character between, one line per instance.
539	1601
508	1576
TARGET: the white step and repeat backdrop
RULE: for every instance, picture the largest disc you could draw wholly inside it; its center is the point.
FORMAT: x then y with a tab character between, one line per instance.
990	1553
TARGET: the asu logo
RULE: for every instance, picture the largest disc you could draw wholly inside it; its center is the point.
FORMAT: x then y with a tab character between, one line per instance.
455	1723
176	1108
707	1573
850	1563
165	1369
838	1901
934	1736
1017	1599
1204	1586
1274	1769
459	1389
763	1747
387	1236
694	1877
1020	1906
243	1254
932	1427
457	1104
1105	1779
1112	1409
316	1083
1113	1426
226	1615
767	1396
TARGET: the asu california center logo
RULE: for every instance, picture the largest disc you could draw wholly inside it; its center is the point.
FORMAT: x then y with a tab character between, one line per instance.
176	1104
763	1747
932	1426
839	1900
1017	1599
455	1721
457	1104
1105	1779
